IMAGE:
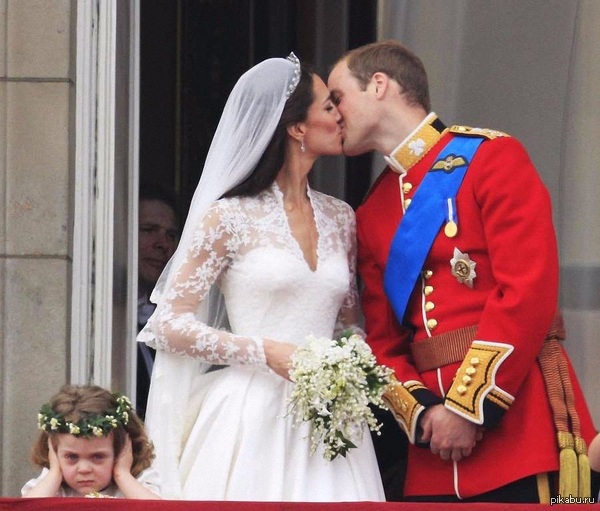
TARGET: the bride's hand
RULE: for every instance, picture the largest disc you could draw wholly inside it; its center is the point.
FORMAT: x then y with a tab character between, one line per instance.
278	356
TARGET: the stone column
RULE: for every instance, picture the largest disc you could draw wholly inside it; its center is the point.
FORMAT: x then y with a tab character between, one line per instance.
36	38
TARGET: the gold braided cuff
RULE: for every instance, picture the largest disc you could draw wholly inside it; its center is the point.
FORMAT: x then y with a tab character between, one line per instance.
476	380
404	406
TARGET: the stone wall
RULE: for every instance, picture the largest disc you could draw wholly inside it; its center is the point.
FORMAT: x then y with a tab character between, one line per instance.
36	140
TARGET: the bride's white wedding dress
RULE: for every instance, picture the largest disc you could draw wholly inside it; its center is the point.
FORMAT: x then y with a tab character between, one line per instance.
234	438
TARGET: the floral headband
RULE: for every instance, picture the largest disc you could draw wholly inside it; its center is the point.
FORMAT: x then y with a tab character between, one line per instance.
92	425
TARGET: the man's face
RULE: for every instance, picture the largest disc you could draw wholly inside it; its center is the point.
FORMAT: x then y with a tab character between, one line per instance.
157	240
353	103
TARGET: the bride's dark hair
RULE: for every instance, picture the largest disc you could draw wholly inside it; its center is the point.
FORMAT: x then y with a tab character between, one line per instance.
270	163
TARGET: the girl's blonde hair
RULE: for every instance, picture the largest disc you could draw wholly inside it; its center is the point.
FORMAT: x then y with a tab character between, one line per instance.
77	402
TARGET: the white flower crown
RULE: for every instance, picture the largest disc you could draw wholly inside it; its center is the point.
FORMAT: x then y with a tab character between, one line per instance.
92	425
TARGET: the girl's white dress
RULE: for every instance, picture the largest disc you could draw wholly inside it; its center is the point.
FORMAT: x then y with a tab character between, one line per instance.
225	433
149	478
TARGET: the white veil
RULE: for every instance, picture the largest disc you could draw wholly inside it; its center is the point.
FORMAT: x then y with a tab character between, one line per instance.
247	125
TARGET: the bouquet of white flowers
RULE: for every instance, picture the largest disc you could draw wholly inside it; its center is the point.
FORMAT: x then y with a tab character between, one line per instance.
336	381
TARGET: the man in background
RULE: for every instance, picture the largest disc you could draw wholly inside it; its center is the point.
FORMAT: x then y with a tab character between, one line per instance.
157	239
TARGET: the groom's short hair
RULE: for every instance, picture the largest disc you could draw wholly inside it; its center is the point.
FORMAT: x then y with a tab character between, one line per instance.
396	61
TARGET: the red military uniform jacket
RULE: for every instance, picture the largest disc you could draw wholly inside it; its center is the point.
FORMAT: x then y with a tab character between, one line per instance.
508	296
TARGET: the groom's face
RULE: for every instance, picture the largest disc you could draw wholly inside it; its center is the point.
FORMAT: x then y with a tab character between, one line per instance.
354	105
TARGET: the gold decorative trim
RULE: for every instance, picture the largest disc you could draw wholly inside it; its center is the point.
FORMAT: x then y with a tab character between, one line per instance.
476	379
483	132
499	399
404	406
415	146
543	486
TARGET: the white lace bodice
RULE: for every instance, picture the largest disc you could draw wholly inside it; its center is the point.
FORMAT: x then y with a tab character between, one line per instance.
245	247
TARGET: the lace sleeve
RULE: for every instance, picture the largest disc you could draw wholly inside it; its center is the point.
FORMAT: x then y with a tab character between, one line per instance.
349	317
176	325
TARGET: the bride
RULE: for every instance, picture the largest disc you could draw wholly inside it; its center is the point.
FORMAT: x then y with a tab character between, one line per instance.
263	262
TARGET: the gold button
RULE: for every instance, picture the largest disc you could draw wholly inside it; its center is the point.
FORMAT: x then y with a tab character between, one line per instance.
432	323
406	187
475	361
461	389
428	290
470	371
466	379
428	274
429	306
407	203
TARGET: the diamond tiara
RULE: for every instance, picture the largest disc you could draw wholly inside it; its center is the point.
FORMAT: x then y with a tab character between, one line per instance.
297	71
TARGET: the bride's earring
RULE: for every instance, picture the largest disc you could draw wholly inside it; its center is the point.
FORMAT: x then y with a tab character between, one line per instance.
302	147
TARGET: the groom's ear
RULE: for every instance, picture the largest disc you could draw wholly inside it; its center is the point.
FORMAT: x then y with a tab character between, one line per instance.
380	83
297	131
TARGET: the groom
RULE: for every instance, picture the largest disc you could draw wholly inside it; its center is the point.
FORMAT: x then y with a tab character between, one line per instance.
458	256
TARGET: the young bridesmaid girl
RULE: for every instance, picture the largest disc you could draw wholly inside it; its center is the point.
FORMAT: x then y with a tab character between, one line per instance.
92	444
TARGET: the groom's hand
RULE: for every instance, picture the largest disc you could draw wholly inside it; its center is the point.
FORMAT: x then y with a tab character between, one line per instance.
449	435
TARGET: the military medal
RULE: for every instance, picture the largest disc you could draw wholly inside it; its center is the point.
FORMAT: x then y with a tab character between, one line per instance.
451	227
463	268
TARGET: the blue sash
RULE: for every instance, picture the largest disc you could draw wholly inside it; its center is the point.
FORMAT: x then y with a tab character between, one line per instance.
423	219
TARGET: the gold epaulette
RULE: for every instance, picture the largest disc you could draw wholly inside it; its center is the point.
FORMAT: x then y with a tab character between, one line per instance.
476	379
404	406
481	132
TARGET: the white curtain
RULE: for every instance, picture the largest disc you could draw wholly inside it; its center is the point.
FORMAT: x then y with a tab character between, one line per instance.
530	69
